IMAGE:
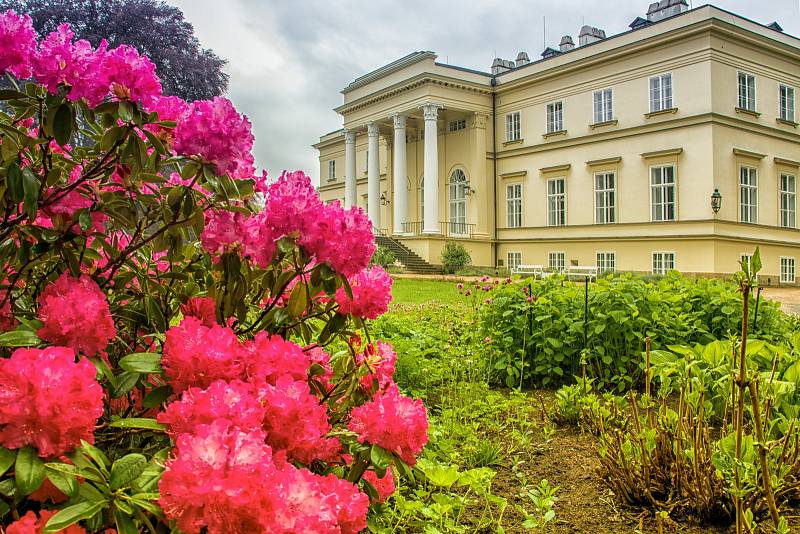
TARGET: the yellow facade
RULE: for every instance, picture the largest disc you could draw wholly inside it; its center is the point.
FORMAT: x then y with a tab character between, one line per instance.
706	138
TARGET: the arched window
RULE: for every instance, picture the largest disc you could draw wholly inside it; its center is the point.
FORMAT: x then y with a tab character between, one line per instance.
457	202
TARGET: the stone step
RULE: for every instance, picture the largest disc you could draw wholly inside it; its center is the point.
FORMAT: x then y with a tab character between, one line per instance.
410	260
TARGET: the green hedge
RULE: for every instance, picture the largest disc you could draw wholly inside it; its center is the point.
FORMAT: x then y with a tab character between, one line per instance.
539	341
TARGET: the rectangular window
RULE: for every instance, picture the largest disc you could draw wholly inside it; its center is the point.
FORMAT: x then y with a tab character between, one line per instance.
660	92
555	117
748	194
514	259
747	91
787	270
788	201
745	260
513	130
662	193
606	262
556	202
603	106
456	125
663	262
787	103
604	198
332	170
556	262
514	205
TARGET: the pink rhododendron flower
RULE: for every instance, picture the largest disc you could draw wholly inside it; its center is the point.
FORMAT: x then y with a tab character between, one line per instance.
60	61
129	75
233	402
7	320
31	524
318	356
315	504
292	204
203	308
196	355
48	400
383	485
296	422
48	492
215	131
372	292
394	422
270	357
381	360
75	314
228	231
219	481
17	43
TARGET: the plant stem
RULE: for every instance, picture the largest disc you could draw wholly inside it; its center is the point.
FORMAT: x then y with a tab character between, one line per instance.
762	454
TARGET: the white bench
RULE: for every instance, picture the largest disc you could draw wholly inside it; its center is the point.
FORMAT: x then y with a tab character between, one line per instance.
581	272
537	271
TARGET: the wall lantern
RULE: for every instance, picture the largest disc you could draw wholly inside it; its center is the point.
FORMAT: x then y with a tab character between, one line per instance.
384	200
468	190
716	200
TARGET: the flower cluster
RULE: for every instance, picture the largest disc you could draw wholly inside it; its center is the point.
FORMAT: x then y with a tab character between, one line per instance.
381	360
394	422
75	314
372	292
17	43
31	524
218	134
48	400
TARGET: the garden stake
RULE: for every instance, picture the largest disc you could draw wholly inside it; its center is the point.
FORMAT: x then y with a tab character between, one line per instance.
739	421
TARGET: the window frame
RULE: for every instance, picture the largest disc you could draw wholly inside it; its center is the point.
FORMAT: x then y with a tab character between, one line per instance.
508	259
746	98
663	186
606	256
553	197
786	112
661	101
606	110
606	192
786	280
456	125
517	213
662	254
513	126
555	254
791	210
753	188
748	256
554	116
331	170
457	201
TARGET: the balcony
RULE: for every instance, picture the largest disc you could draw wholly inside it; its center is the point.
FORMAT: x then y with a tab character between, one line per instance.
460	230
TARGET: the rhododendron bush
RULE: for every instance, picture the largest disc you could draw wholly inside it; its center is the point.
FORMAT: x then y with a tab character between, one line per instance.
183	342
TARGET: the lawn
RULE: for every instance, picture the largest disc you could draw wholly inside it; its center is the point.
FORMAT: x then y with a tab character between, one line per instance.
419	291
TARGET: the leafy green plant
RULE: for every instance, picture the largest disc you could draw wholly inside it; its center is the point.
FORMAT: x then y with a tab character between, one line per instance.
454	257
383	257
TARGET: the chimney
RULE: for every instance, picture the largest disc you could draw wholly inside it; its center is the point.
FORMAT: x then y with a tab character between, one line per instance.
499	66
589	35
665	9
550	52
566	44
522	59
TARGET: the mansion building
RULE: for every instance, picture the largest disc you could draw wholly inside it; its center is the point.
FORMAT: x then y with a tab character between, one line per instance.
674	145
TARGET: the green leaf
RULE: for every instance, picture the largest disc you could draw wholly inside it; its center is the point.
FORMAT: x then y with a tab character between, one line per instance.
4	508
755	262
297	300
95	454
30	189
19	338
7	457
124	523
66	483
72	514
156	396
127	469
62	124
28	470
10	94
142	362
126	380
138	422
380	456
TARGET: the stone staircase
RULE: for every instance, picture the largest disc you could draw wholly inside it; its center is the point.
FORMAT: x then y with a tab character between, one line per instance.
411	261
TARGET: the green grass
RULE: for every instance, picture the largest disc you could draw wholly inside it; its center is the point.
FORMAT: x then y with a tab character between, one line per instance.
410	291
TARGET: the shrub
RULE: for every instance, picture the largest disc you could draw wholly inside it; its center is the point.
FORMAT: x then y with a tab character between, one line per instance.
383	257
162	334
454	257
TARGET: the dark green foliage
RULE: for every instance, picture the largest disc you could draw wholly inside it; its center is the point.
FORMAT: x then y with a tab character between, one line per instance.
454	257
383	257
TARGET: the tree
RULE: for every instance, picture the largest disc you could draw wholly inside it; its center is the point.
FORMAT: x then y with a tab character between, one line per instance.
158	30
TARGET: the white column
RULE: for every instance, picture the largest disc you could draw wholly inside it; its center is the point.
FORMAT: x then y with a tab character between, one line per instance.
399	173
430	223
350	196
373	176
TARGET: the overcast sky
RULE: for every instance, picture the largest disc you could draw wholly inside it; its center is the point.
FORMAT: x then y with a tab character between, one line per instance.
288	59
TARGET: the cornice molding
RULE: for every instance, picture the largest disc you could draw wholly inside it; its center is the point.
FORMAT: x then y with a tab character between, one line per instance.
513	174
748	153
662	153
604	161
555	168
786	161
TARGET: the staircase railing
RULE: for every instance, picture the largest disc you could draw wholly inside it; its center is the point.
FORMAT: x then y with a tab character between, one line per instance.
446	229
401	252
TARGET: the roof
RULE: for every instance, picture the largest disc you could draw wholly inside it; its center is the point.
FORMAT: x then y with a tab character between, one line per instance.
394	66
